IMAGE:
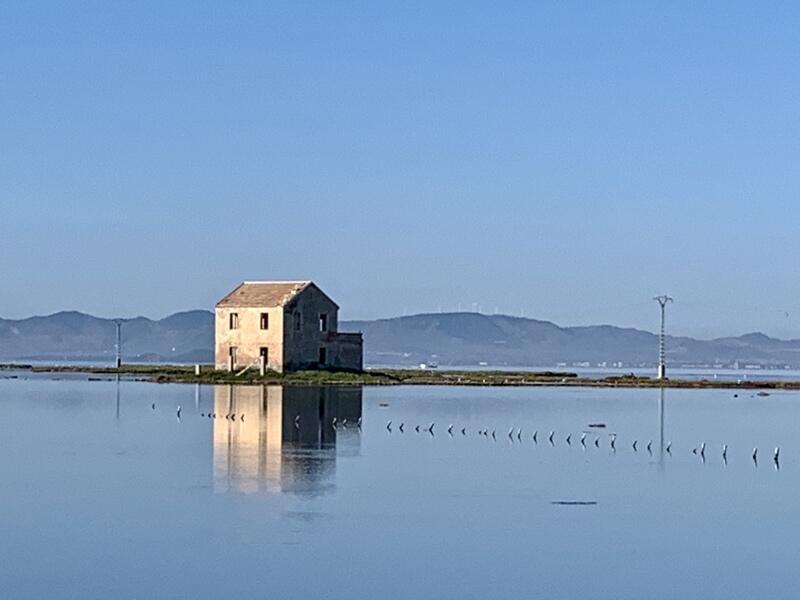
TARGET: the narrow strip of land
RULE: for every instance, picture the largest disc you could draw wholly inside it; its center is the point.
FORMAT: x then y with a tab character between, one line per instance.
187	374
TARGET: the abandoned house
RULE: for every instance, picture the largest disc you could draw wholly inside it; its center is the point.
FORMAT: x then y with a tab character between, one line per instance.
283	326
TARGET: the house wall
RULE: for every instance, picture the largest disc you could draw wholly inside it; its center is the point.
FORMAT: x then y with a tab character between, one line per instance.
301	348
346	351
249	338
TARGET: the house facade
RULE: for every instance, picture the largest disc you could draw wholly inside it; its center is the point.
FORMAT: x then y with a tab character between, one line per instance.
284	326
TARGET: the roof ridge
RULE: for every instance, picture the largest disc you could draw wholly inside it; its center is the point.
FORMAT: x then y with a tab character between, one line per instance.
264	293
267	281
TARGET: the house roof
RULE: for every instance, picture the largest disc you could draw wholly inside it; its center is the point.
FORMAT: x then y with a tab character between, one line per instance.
264	293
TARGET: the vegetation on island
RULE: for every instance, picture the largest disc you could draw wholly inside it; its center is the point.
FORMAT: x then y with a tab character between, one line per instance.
163	373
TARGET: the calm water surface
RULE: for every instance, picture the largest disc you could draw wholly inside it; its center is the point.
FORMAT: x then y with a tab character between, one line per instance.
104	496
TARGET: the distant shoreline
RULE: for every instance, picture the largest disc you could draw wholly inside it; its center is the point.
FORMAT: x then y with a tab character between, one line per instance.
382	377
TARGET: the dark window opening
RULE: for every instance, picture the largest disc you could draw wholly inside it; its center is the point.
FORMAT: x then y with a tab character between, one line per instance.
234	321
264	353
232	356
323	356
264	320
323	322
297	321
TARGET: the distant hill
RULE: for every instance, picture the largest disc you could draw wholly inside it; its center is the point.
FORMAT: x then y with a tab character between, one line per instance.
472	338
462	339
182	337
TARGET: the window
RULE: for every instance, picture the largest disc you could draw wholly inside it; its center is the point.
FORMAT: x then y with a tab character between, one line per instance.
323	322
234	321
264	320
323	356
264	353
297	321
232	356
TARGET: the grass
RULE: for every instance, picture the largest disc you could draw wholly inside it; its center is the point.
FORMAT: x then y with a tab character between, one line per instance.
208	375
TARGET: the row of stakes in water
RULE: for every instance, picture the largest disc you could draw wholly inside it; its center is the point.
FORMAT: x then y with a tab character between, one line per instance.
698	450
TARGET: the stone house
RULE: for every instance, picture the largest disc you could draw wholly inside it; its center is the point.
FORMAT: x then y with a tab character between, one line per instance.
283	326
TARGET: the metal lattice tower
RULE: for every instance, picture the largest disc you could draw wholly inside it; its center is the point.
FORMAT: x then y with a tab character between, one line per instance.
118	323
662	368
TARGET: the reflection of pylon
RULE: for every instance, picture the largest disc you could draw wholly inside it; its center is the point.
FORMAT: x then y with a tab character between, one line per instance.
662	368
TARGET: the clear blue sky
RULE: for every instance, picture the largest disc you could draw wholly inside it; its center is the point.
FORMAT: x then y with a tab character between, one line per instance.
562	160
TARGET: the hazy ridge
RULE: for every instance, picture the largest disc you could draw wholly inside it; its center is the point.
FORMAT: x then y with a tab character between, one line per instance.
448	338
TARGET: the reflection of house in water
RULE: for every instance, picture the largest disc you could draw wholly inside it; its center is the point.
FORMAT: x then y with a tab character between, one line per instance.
266	451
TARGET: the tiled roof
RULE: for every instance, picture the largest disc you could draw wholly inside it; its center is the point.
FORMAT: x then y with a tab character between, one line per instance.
263	293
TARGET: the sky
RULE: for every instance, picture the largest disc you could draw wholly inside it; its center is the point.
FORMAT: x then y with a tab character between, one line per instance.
564	161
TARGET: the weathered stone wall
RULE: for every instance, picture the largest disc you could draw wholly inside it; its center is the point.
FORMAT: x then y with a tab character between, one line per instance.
301	348
346	351
249	338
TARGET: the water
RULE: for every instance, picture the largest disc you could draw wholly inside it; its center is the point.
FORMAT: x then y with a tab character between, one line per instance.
105	497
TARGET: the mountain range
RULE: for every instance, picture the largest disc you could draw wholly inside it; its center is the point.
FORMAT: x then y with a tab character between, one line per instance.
462	339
